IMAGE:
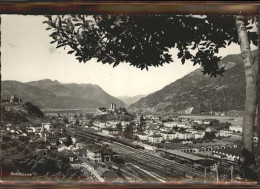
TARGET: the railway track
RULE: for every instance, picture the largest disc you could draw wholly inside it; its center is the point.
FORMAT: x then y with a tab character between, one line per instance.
142	157
178	169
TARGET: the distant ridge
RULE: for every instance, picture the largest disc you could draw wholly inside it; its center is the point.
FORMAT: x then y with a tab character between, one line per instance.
130	99
195	92
48	94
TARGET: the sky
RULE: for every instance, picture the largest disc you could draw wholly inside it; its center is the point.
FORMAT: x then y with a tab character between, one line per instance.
27	55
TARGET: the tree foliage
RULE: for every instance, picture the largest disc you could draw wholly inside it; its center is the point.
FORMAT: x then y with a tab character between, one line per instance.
12	117
119	128
129	131
209	135
144	41
68	141
33	110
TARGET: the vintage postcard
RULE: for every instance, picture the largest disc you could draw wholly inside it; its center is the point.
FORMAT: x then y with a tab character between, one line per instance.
129	98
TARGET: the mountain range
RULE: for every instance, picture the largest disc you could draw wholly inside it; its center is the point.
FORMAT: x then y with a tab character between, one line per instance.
128	100
196	93
48	94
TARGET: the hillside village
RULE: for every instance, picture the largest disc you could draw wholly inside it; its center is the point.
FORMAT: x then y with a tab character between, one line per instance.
84	141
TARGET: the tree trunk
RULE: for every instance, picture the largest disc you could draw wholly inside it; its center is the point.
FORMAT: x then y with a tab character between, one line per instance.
248	160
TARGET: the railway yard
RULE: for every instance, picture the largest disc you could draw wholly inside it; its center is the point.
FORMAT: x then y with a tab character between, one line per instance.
145	165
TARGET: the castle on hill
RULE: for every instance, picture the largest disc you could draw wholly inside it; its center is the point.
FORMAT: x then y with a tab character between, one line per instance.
111	110
12	100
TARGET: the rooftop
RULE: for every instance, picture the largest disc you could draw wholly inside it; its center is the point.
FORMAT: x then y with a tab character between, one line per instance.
232	151
183	154
156	136
110	175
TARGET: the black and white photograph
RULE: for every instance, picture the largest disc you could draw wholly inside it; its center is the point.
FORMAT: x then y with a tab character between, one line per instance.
110	98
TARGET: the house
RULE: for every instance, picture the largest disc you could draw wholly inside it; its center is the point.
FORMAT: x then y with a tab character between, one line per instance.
70	155
142	136
43	133
52	140
197	121
97	153
186	142
36	139
73	139
42	148
192	131
99	125
108	155
235	128
111	124
153	131
35	129
110	131
153	126
155	118
183	135
76	164
206	122
183	125
111	176
155	138
210	129
62	147
94	154
199	135
80	145
29	130
125	123
46	126
233	154
62	138
169	124
100	170
8	126
96	127
225	133
168	135
165	129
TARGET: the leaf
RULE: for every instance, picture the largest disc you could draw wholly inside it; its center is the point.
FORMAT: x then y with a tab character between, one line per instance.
230	41
115	64
48	28
183	60
194	46
52	42
180	54
70	52
203	43
78	24
58	46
